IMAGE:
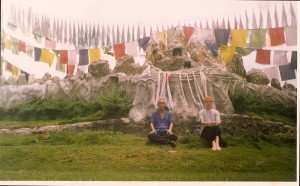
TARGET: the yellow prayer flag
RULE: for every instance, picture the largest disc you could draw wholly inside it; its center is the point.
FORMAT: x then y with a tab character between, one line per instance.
44	55
239	38
47	57
94	54
7	44
226	53
162	36
51	58
15	71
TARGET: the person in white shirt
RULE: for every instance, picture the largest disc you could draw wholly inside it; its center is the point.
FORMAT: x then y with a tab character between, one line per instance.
211	120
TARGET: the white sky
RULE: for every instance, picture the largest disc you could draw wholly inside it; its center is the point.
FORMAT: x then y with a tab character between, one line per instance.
154	13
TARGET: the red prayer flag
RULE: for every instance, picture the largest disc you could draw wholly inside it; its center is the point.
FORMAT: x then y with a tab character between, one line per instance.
188	31
22	46
119	50
263	56
277	36
70	69
63	59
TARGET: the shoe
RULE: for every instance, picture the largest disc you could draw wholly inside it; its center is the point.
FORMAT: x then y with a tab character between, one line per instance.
172	143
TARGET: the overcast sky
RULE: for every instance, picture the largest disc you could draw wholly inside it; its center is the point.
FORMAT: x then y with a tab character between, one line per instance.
153	12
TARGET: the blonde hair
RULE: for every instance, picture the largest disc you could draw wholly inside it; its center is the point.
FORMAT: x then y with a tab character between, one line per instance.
208	98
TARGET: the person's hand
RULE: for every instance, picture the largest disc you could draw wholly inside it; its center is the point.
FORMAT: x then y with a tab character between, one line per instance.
153	132
170	132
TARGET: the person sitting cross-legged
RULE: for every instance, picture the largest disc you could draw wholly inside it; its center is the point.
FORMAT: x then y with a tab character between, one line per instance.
161	126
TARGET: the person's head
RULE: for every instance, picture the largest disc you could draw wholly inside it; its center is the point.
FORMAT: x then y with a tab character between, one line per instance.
161	104
208	100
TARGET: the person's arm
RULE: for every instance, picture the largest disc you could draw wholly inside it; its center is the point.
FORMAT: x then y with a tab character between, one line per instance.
218	118
170	131
202	121
152	128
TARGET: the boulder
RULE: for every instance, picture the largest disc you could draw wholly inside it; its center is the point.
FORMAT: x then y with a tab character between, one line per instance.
236	66
275	83
257	76
3	81
12	80
31	80
99	68
289	87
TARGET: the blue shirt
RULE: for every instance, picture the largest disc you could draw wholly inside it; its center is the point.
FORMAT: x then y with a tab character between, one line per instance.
161	123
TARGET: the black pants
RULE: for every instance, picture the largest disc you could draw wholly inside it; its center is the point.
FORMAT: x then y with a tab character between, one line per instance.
162	137
210	133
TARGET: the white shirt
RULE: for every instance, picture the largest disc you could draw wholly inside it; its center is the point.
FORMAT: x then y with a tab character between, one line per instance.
209	115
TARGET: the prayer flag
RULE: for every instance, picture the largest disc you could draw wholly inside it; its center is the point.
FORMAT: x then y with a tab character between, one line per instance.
241	23
72	57
257	38
269	24
284	17
60	67
188	31
119	50
276	18
260	19
293	16
247	20
239	38
83	57
271	73
170	34
132	48
263	56
280	58
276	36
128	35
286	73
70	69
37	53
294	60
63	57
22	46
50	43
94	54
254	23
243	51
222	36
143	43
226	53
291	35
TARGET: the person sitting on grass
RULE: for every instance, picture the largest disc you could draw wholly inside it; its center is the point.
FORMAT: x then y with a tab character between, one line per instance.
211	120
161	125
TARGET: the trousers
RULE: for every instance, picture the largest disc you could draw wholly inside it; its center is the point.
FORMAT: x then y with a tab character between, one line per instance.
162	137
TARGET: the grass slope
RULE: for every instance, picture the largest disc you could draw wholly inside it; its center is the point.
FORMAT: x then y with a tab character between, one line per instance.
103	156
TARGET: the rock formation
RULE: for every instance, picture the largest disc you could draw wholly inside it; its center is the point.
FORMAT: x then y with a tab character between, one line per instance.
183	73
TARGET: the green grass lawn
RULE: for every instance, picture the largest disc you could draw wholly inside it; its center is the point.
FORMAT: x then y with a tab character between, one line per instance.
104	156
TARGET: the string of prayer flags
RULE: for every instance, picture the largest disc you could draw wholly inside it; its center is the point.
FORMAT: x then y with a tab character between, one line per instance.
263	56
286	73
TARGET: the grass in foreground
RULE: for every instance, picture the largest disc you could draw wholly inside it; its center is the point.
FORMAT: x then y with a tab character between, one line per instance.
104	156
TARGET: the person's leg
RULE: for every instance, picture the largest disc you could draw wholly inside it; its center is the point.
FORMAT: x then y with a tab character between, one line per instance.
217	133
158	138
208	134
